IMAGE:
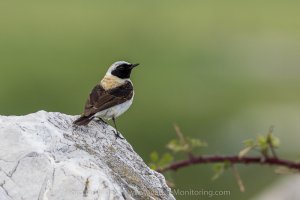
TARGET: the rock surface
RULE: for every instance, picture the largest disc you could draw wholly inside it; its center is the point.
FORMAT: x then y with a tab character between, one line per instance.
44	156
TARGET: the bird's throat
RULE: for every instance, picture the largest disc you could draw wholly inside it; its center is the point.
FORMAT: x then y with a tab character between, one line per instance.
110	82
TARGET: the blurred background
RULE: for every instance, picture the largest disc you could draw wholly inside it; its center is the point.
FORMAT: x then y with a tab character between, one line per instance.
224	71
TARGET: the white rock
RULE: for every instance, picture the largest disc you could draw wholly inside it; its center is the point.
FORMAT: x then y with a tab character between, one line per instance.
44	156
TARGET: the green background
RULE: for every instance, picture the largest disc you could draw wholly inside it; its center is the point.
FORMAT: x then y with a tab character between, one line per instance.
223	70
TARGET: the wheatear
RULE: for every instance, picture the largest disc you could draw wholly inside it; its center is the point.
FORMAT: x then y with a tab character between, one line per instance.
111	97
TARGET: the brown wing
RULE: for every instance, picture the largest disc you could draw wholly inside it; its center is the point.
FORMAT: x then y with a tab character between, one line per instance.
101	99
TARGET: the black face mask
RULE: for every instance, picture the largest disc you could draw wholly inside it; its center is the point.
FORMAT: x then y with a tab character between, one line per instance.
123	71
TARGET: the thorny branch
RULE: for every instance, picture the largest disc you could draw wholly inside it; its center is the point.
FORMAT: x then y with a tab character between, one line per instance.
265	144
232	160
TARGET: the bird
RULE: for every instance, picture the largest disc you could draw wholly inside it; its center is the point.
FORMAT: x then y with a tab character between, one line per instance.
111	97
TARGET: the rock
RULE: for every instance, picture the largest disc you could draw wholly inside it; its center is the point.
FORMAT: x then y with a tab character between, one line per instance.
44	156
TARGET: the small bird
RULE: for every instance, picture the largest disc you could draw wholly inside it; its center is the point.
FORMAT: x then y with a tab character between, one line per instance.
111	97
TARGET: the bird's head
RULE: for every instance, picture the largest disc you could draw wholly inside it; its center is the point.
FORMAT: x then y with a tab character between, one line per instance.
121	69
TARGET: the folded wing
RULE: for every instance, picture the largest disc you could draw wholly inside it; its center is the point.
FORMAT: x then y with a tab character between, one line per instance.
101	99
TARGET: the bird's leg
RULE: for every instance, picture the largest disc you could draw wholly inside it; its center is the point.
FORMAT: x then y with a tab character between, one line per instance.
117	134
99	119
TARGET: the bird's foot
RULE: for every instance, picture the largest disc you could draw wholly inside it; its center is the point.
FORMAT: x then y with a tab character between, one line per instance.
118	135
98	119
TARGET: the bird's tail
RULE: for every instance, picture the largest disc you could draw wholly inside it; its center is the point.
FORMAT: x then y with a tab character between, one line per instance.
83	120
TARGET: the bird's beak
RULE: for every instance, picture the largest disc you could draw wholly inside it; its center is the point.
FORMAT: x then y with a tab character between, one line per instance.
134	65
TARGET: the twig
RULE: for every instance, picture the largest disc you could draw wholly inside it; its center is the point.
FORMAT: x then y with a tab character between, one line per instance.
183	140
238	178
179	134
269	141
232	160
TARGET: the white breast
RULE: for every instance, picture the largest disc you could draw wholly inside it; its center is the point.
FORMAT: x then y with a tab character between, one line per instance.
115	111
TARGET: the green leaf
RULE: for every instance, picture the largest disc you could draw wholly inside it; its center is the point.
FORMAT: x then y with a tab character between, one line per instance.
275	142
154	157
249	143
157	162
166	159
218	170
196	143
262	143
153	166
175	146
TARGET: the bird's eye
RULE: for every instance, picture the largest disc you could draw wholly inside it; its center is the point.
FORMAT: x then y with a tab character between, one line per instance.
122	67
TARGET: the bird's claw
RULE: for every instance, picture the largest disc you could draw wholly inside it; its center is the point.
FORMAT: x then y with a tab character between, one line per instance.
118	135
